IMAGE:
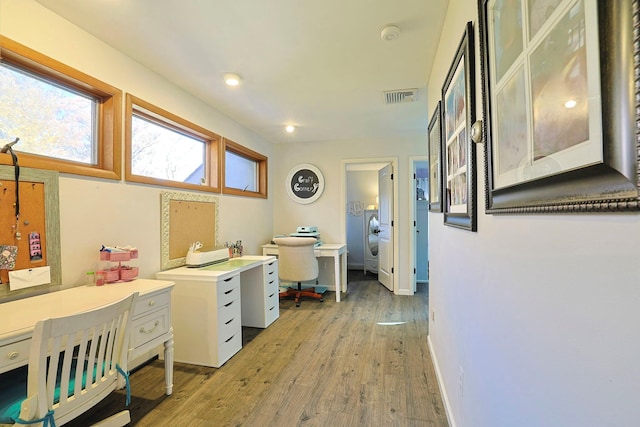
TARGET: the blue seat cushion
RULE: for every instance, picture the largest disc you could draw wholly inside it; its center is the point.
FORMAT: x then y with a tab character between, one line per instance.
12	393
14	390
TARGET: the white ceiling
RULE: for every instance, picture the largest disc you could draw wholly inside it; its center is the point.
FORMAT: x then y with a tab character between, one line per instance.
319	65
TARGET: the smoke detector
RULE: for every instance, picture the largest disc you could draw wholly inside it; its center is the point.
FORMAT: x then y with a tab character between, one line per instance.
390	33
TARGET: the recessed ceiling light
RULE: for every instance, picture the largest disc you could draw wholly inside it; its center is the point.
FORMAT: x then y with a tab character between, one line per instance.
289	128
232	79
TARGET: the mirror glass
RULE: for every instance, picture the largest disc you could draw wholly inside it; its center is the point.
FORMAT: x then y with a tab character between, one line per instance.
373	228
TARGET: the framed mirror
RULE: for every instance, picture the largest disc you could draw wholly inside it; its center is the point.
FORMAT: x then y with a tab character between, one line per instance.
371	232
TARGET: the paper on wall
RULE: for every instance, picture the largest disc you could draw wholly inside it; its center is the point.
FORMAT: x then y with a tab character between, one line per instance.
29	277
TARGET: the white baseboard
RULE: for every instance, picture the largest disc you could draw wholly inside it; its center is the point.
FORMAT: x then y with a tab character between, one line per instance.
443	390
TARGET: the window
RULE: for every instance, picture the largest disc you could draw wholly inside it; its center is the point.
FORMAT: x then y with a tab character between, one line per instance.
245	171
164	149
66	120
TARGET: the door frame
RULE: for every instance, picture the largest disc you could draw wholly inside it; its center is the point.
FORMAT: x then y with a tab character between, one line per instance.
343	197
413	241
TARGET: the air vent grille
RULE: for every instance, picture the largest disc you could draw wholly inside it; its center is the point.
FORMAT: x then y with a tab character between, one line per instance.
400	96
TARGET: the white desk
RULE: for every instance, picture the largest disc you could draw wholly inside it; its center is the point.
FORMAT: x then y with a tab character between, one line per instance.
337	251
211	304
151	324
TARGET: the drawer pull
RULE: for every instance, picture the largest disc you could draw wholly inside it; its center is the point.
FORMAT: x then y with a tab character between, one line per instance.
228	292
271	272
272	308
271	295
230	320
155	326
230	338
229	279
152	303
228	304
271	263
13	355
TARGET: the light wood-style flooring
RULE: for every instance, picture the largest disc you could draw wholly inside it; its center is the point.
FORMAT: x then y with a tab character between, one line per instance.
361	362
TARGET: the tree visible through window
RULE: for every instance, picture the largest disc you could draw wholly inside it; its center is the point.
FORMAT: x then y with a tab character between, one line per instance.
165	149
50	119
160	152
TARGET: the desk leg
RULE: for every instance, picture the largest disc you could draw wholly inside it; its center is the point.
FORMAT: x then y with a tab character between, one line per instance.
336	276
343	276
168	364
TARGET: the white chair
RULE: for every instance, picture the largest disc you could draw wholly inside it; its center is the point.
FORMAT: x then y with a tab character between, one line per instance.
74	363
297	263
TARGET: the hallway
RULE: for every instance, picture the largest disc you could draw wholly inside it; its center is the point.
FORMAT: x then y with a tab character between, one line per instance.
361	362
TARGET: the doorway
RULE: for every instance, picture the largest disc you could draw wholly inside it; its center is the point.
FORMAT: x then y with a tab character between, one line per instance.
420	205
360	187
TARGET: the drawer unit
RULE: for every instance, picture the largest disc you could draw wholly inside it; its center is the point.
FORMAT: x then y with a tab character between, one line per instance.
14	355
206	318
211	304
260	299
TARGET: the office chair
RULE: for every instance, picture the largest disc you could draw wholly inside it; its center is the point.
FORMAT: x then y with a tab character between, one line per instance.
74	362
297	263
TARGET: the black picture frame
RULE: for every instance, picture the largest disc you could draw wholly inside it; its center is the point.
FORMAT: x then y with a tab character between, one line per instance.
434	150
458	151
562	179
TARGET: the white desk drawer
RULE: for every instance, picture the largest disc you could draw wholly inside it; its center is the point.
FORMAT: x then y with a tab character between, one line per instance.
271	314
229	346
149	327
147	303
272	299
14	355
228	290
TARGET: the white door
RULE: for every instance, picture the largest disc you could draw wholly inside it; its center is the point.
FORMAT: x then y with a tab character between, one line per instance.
385	213
422	241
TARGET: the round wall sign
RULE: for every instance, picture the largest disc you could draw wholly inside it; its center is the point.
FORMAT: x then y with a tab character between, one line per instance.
305	183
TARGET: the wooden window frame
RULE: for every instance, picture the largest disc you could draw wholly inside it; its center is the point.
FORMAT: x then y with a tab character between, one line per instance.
213	145
247	153
109	126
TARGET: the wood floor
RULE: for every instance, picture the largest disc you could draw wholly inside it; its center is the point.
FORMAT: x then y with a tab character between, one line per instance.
361	362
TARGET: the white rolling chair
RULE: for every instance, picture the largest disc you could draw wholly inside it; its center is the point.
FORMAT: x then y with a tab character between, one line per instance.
297	263
74	363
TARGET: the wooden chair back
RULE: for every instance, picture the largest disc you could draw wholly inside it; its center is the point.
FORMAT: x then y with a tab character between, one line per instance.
76	361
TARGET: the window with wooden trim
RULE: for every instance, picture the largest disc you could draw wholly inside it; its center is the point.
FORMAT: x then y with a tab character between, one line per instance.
245	171
164	149
65	120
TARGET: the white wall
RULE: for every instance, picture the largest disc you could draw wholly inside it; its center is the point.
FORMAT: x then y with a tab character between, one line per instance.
540	312
329	211
94	211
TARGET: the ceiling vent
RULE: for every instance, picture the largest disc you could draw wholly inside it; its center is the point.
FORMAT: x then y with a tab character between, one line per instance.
400	96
